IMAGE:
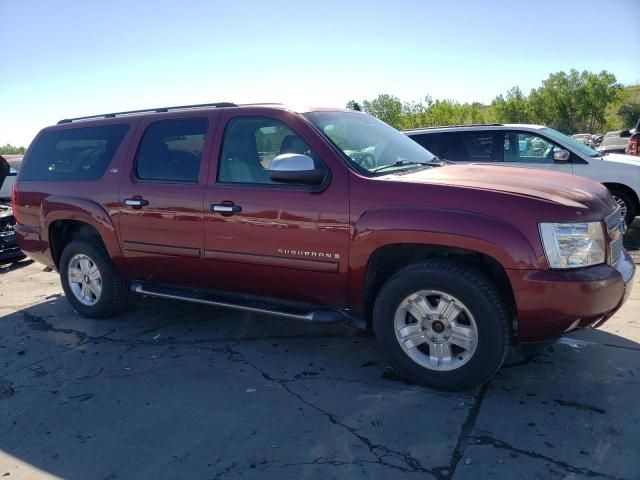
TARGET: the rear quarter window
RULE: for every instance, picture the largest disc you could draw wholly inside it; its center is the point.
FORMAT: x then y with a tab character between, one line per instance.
77	154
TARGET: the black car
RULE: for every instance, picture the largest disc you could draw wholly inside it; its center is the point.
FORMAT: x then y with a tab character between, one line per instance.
9	251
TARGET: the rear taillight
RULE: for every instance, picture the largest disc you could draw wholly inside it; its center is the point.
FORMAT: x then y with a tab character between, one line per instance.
633	145
14	201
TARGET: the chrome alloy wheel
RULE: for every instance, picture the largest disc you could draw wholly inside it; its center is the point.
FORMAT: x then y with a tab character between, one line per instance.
623	206
436	330
84	279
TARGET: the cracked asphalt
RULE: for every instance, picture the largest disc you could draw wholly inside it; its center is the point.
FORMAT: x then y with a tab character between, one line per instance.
173	390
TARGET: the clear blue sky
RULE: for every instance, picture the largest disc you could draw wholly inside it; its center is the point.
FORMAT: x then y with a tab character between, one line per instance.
64	58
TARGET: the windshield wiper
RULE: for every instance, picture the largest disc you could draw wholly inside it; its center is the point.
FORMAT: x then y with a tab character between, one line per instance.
441	161
401	163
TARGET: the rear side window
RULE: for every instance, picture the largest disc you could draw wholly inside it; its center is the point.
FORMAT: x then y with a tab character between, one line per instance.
74	154
428	141
171	151
469	146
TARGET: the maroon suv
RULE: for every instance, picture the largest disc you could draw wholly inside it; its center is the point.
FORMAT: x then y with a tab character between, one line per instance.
323	215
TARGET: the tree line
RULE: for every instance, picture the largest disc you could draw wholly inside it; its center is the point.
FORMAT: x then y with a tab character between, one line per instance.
9	149
570	102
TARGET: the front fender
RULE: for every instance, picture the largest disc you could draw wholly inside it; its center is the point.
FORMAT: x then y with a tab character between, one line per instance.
57	207
480	233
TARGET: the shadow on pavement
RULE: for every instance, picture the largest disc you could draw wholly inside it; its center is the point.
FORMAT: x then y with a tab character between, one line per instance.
170	390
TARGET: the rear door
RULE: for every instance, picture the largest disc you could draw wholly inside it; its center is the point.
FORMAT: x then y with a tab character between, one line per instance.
161	198
271	239
529	149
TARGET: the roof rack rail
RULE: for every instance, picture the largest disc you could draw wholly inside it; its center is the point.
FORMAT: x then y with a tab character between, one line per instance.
150	110
456	126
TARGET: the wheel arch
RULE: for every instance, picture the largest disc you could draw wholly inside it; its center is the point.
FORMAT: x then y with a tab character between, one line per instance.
64	219
626	189
389	259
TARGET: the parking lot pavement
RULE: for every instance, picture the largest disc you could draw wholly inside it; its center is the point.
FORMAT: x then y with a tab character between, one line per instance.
172	390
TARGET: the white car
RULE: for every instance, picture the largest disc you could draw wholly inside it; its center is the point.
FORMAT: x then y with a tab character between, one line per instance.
540	147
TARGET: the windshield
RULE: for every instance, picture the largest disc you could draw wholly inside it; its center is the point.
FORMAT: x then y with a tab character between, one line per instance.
570	142
368	143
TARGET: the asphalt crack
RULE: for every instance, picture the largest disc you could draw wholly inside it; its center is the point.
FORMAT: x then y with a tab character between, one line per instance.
585	472
381	453
465	432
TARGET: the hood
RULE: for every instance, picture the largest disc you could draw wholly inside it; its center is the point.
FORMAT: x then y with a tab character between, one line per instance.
562	188
620	158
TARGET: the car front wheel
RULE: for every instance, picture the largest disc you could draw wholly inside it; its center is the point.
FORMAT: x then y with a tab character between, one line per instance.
626	204
442	324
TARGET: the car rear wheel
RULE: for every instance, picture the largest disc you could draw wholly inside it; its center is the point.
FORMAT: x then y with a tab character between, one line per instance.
627	205
443	325
90	282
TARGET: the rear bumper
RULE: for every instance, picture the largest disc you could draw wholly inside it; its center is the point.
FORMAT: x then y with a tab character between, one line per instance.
552	302
30	242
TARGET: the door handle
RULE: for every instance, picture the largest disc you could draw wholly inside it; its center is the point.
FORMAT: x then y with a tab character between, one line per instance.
136	202
226	208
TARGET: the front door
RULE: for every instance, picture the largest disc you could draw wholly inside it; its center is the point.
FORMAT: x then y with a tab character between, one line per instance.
529	149
162	200
270	239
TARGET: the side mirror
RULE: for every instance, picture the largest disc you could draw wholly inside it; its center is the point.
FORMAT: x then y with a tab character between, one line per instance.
560	155
295	168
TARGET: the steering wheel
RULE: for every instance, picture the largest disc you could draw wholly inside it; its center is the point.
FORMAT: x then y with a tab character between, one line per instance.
365	160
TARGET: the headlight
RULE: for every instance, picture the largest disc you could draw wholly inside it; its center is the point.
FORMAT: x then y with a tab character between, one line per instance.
573	245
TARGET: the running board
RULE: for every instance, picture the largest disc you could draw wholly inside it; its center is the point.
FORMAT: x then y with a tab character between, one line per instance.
247	303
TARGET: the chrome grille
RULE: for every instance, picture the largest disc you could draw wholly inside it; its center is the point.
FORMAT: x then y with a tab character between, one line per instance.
615	250
613	220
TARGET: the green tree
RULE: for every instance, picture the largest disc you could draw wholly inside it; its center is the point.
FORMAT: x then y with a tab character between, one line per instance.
514	108
630	114
576	101
385	107
595	93
353	105
9	149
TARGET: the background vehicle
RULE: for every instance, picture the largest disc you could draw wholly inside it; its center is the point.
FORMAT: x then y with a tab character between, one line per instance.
582	137
9	251
322	216
613	142
538	147
633	147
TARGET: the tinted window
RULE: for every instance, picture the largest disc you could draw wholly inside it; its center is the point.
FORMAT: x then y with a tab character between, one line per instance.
74	154
249	145
427	140
171	151
469	146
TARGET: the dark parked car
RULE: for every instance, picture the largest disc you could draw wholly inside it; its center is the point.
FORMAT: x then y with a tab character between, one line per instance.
9	251
633	147
322	216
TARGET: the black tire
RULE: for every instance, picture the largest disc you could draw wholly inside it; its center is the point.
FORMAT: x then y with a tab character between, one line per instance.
479	295
115	291
628	201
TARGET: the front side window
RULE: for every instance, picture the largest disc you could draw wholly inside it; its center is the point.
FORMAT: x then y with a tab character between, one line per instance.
171	151
249	145
370	145
571	143
77	154
527	147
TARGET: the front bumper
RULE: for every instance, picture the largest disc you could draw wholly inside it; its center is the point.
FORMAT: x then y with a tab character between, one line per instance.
552	302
